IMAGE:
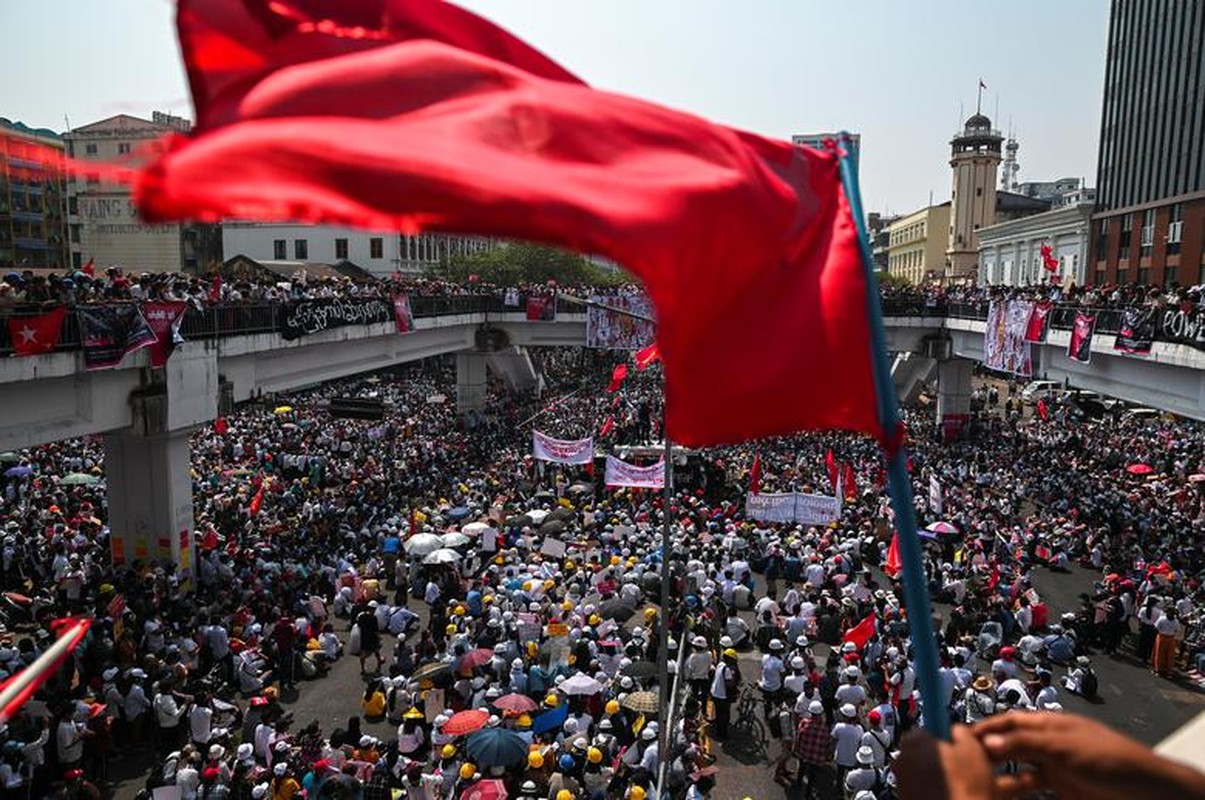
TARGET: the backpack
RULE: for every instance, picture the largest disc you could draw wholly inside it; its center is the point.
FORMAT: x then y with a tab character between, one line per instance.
1088	683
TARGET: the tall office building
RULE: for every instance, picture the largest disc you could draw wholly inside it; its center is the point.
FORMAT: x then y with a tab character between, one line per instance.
1150	217
33	193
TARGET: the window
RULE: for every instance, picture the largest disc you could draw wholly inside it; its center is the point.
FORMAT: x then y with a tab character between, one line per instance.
1175	229
90	148
301	249
979	191
73	205
1102	239
77	260
1148	231
280	249
1144	276
1099	278
341	249
75	228
376	247
123	148
1169	275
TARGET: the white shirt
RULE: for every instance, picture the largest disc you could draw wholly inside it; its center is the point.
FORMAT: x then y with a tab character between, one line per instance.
200	724
848	737
771	673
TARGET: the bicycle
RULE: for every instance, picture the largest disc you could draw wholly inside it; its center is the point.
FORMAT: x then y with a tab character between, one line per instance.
747	731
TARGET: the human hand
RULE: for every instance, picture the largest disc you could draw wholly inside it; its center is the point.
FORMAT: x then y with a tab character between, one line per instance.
930	769
1078	757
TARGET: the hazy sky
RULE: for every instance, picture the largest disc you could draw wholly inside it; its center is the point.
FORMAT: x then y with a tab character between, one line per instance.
897	72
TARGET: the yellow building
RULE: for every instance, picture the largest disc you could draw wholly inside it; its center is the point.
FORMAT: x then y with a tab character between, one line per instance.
916	244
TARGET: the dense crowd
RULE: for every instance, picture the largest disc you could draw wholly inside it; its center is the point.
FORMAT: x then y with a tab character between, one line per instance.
503	611
1107	296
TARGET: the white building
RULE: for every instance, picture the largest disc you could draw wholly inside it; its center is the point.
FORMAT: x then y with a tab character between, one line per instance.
378	252
1010	254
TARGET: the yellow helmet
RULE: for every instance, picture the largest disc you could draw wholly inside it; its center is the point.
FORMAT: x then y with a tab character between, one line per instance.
458	611
448	751
594	755
552	701
615	561
489	598
650	613
612	706
450	630
729	653
564	794
524	721
533	649
467	771
570	565
567	605
527	586
637	793
548	584
535	760
595	619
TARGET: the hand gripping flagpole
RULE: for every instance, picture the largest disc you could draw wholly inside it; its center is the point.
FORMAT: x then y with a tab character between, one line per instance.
916	593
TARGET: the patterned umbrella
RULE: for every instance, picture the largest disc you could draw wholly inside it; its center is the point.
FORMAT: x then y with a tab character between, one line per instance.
948	528
476	658
642	702
582	684
1140	469
463	722
515	703
491	789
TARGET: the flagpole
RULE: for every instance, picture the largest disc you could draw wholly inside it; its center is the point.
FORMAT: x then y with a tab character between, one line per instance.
916	593
664	699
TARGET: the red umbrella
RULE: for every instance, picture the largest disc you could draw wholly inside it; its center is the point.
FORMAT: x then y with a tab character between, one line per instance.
463	722
476	658
515	703
1140	469
485	790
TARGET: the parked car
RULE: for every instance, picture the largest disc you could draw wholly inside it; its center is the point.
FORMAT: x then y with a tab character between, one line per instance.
1037	390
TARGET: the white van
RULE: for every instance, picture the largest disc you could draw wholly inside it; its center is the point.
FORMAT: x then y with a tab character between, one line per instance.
1037	390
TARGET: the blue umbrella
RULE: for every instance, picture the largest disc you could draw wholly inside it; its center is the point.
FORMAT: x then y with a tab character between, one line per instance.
457	513
19	471
930	535
496	747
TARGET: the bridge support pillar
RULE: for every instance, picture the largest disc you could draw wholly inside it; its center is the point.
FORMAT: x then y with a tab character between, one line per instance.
472	381
150	500
954	396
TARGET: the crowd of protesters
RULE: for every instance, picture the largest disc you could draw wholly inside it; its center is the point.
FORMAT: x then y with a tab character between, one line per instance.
503	612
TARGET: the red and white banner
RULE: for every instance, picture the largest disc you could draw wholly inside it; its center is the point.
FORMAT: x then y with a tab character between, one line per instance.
403	317
621	473
164	319
562	451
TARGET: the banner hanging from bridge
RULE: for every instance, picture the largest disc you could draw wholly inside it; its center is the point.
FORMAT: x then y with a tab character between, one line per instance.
1039	322
621	473
403	316
562	451
1079	347
164	319
1005	348
311	316
541	309
1136	333
111	332
805	509
611	326
1183	325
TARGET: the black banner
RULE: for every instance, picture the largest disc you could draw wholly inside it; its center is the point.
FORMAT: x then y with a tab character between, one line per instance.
1136	334
311	316
1183	327
111	332
1079	348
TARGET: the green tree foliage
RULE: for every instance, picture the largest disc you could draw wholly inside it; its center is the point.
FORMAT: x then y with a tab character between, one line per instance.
514	263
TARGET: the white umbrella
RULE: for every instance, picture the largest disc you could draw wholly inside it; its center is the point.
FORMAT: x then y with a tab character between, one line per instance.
475	528
442	556
423	543
455	539
537	515
581	683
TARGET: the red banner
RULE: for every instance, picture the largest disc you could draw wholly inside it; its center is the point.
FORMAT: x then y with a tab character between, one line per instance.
1039	321
541	309
1079	347
402	314
164	320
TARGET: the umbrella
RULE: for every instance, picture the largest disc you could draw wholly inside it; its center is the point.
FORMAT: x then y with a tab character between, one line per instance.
942	527
580	488
475	528
536	515
544	494
19	471
455	539
1198	478
581	683
282	409
421	544
641	702
552	527
463	722
562	514
491	789
431	670
457	513
515	703
442	556
616	609
9	457
79	479
476	658
495	747
1140	469
640	669
927	534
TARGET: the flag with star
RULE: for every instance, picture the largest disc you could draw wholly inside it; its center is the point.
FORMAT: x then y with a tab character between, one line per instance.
37	334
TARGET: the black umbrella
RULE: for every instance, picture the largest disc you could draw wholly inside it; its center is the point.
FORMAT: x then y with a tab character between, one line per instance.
562	514
552	527
616	609
640	669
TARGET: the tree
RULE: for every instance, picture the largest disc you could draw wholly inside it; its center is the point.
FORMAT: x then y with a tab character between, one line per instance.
514	263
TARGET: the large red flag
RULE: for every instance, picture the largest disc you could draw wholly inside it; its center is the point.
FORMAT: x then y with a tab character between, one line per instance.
607	426
850	483
416	115
830	466
860	634
894	564
617	375
33	335
646	356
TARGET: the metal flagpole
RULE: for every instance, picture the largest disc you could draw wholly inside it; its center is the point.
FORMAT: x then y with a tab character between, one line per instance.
664	699
916	593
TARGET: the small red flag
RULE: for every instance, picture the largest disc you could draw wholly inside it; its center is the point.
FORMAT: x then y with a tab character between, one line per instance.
851	483
1043	412
830	464
117	606
257	502
210	540
89	268
617	375
31	336
860	634
993	579
215	288
607	426
588	468
221	426
755	475
894	564
646	356
1048	260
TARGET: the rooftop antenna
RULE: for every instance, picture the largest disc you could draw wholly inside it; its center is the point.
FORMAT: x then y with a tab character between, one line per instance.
67	122
979	96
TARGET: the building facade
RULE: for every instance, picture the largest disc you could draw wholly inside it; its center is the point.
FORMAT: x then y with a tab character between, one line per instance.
974	159
1149	224
378	252
33	199
103	221
1010	252
916	244
816	141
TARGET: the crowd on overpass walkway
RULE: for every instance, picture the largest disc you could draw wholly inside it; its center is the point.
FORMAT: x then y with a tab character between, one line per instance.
1105	296
504	615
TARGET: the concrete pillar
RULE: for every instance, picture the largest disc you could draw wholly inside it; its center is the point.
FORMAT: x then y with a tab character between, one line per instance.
471	381
150	499
953	396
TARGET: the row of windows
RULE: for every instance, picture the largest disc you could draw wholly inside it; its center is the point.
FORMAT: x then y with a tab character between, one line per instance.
1146	239
912	233
301	249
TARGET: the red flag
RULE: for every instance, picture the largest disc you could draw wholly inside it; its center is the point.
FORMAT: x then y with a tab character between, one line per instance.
851	483
894	564
117	606
646	356
1043	412
830	464
607	426
31	336
588	468
617	375
221	426
17	689
257	502
89	268
210	540
860	634
755	475
1048	260
993	579
446	122
215	288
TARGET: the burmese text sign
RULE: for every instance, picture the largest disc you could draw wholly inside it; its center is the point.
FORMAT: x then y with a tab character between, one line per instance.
562	451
